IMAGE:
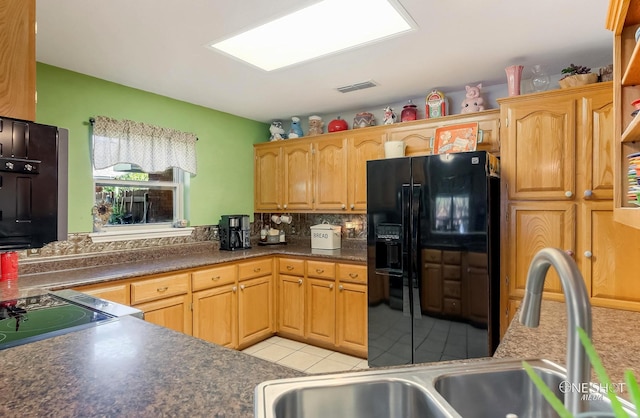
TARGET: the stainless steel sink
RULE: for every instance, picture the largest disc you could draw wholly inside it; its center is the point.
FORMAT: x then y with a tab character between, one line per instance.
487	388
358	399
498	393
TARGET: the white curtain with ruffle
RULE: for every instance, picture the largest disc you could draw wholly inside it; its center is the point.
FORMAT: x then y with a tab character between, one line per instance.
153	148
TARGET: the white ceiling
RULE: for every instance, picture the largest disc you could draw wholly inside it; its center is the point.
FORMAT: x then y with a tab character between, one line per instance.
159	46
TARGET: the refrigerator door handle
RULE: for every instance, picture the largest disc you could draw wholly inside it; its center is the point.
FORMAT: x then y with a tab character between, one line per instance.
415	226
406	238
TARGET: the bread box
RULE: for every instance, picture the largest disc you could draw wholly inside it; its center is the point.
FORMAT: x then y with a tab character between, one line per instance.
325	237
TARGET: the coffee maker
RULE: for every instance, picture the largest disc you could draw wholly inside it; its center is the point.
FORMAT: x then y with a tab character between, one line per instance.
235	232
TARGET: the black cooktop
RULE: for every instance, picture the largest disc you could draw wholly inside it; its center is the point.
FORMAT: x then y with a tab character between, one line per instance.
34	318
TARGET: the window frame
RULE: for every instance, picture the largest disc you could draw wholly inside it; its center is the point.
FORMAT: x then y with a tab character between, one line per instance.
180	186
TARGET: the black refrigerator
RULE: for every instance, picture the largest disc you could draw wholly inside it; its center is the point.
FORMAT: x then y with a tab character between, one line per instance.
433	257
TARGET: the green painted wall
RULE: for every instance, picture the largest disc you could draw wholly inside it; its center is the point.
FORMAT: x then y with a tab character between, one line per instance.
224	183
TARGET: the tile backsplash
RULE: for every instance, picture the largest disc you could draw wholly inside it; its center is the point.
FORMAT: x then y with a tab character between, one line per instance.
301	223
81	244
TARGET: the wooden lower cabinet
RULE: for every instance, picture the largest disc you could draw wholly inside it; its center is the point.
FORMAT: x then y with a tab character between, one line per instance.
255	310
351	324
236	304
215	315
115	292
173	313
291	306
320	321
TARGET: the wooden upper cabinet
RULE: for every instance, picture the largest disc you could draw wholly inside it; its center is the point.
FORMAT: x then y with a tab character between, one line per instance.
595	144
362	148
418	140
18	63
267	178
330	170
298	182
539	147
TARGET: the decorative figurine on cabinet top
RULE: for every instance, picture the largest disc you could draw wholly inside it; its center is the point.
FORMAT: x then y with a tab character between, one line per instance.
363	119
473	102
315	125
277	132
389	116
337	125
436	104
296	130
409	112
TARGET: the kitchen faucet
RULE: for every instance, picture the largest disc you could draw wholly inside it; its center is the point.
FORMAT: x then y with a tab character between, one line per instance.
578	315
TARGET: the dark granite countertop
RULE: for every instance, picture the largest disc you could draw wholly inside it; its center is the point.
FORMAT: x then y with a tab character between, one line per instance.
615	338
76	271
130	368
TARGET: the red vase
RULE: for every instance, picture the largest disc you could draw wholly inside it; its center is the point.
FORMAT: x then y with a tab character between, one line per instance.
409	112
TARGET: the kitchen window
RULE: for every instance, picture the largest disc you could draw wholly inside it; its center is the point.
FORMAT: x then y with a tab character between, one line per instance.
141	175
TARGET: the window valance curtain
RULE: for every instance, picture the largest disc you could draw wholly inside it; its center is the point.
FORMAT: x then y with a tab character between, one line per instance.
153	148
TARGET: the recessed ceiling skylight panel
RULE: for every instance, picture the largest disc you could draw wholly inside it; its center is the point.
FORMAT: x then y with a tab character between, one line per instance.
315	31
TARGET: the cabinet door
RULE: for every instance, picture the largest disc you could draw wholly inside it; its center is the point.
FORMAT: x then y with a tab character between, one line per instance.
531	227
362	148
18	63
114	292
610	259
215	315
418	139
173	313
330	174
255	310
476	288
291	305
595	142
539	150
267	178
351	318
321	311
298	192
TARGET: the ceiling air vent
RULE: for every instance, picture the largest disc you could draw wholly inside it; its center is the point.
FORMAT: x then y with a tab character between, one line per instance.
357	86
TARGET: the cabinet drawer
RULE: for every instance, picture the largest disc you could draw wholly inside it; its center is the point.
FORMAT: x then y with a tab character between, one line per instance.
451	306
451	289
291	266
477	259
432	256
451	257
255	268
158	288
451	272
321	269
213	277
352	273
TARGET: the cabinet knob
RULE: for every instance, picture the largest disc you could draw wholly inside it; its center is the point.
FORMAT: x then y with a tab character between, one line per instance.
568	193
341	287
588	254
344	207
353	275
319	271
569	252
278	206
353	206
215	278
257	269
241	287
289	268
588	193
285	206
331	286
299	281
234	289
163	289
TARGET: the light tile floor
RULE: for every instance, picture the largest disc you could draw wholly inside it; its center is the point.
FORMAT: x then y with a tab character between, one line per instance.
304	357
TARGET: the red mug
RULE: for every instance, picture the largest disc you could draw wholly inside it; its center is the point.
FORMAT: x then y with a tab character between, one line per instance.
9	265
